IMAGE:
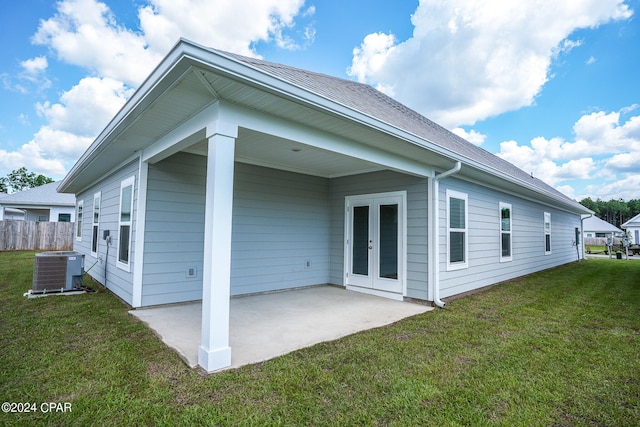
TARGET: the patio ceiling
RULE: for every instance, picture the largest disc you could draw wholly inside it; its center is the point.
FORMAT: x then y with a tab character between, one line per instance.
270	151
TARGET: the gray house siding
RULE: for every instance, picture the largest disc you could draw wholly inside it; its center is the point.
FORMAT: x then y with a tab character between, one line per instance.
120	282
417	223
280	235
528	239
174	232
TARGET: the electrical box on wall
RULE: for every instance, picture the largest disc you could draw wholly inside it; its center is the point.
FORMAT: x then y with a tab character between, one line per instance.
192	272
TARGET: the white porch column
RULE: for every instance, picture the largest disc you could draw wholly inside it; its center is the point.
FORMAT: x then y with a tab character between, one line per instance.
214	352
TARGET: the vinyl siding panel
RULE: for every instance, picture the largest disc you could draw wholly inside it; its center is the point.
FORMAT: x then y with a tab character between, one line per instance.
528	249
118	281
280	221
174	232
417	223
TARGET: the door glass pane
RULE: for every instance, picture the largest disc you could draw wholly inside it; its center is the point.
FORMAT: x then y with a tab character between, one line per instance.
360	247
388	239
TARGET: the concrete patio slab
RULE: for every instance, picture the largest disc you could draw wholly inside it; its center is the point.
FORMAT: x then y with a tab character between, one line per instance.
268	325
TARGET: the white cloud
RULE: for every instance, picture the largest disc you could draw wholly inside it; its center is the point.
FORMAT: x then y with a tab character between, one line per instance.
34	67
30	155
372	56
226	25
32	76
603	148
625	162
467	61
87	107
87	34
625	189
71	126
472	136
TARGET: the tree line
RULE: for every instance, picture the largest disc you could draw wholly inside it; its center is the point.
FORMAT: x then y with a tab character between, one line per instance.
21	179
615	212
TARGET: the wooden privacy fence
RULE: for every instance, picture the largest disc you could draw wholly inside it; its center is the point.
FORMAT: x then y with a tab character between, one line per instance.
18	235
600	241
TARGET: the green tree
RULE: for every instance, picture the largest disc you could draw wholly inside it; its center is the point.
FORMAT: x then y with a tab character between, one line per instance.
634	207
590	204
21	179
615	212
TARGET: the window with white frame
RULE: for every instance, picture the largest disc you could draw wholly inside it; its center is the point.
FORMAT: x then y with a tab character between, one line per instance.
505	232
547	233
124	223
96	222
79	210
457	241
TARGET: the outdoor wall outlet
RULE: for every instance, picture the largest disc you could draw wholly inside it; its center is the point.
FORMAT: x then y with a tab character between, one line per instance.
307	264
192	272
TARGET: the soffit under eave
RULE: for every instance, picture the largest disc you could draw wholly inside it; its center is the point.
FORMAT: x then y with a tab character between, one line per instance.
145	124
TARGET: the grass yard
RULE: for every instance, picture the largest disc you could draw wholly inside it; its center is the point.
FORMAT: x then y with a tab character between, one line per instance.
561	347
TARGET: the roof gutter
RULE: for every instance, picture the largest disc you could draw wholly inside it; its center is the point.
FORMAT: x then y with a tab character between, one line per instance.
435	234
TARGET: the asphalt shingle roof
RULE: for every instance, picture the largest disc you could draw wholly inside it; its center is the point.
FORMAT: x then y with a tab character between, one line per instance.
365	99
594	223
46	194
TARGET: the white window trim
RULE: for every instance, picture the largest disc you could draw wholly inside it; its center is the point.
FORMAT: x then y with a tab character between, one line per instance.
458	265
544	228
95	222
79	220
125	183
501	231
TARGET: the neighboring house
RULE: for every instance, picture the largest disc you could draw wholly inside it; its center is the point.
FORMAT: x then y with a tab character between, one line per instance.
596	227
632	227
10	213
39	204
225	175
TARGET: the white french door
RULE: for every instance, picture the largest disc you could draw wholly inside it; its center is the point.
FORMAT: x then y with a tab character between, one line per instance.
375	235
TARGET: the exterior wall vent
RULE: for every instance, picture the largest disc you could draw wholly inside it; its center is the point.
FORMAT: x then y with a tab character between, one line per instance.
57	272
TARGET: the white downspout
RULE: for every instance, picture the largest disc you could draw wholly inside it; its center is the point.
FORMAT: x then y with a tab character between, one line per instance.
584	254
435	197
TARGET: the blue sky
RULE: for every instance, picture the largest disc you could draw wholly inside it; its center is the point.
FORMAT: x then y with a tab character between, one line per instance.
550	86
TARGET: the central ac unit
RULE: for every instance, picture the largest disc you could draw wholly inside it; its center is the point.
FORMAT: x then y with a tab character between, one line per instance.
57	272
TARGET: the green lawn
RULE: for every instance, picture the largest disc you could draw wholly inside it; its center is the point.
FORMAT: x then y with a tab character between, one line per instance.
561	347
